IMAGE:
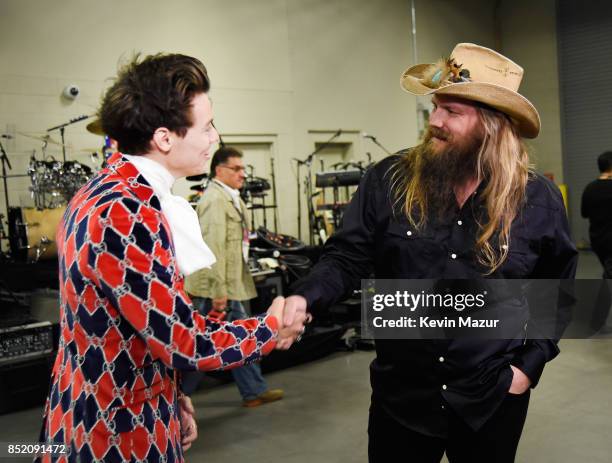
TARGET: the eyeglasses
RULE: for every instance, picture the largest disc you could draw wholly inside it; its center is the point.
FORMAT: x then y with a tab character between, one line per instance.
234	168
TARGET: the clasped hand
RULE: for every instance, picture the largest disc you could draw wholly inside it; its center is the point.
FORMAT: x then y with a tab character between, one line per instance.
292	318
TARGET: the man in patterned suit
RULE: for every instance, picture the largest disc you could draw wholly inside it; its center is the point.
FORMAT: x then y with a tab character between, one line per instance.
124	246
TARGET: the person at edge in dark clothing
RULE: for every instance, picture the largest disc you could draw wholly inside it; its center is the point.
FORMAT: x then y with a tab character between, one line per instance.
597	207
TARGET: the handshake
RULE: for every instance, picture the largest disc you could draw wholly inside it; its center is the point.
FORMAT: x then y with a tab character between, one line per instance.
292	319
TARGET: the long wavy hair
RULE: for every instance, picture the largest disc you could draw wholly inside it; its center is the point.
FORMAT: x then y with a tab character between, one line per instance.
502	160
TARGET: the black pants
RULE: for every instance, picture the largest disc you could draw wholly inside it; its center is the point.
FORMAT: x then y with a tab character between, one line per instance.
496	441
601	310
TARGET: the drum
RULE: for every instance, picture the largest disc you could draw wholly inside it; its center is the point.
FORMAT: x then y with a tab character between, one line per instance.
256	185
74	176
54	183
32	233
46	178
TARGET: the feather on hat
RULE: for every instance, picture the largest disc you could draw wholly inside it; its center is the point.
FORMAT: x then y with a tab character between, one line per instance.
480	74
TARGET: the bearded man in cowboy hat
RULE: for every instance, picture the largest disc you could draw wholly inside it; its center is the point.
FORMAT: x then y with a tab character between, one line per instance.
463	204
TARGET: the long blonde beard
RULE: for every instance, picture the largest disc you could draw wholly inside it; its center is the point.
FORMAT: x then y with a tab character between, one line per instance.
502	161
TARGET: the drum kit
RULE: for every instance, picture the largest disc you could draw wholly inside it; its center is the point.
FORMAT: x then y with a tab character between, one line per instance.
53	183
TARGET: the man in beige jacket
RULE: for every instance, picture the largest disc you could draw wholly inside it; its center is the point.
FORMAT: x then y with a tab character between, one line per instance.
221	289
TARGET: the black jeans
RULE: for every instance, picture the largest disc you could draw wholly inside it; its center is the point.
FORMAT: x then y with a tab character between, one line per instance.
601	310
496	441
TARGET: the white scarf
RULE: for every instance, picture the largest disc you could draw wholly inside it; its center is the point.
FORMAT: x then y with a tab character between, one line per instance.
192	254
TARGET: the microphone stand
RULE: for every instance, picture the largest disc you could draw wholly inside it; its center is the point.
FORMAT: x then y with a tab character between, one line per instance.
62	128
5	162
308	162
373	138
274	194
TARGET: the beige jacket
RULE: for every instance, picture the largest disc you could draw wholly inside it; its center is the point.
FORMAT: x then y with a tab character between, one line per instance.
222	231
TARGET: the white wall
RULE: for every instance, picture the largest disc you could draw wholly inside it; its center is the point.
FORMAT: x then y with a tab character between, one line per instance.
529	37
287	72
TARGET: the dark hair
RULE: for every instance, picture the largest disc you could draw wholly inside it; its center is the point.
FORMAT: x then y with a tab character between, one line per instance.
154	92
604	162
221	156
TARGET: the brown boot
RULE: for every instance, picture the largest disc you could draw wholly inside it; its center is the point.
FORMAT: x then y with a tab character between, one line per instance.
271	395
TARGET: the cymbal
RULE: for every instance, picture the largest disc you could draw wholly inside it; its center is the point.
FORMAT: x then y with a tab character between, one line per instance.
95	127
44	138
196	178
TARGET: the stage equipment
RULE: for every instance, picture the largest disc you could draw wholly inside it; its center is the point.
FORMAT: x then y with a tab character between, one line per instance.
4	160
274	197
278	241
54	182
269	284
254	193
376	142
308	187
25	384
62	128
46	139
255	186
25	342
95	127
32	233
296	265
74	176
338	178
197	178
27	350
326	216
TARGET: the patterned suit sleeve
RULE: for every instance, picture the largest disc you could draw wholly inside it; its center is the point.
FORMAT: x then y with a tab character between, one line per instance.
132	263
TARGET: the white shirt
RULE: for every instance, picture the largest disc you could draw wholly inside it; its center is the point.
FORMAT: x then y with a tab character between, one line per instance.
235	194
192	253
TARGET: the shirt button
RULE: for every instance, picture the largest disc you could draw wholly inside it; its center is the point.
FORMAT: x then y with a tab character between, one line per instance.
441	359
444	387
409	233
453	256
459	222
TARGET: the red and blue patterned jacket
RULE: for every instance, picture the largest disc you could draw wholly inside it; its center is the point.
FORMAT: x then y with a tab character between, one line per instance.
126	325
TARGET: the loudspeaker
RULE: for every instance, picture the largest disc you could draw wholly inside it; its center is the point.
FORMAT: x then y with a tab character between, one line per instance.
25	384
268	287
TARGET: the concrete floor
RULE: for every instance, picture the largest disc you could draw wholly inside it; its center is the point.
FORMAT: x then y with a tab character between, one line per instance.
323	417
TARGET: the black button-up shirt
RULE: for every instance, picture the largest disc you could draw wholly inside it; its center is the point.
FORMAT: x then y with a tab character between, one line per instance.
415	380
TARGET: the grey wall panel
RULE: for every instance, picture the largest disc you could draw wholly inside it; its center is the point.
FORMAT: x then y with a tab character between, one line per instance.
585	68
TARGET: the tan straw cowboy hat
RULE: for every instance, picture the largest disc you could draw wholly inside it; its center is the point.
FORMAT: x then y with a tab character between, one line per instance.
480	74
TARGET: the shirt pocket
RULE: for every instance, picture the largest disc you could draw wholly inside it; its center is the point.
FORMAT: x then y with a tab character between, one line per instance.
521	259
408	233
408	250
234	226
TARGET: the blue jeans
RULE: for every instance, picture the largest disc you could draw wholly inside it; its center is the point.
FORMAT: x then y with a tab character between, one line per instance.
248	378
